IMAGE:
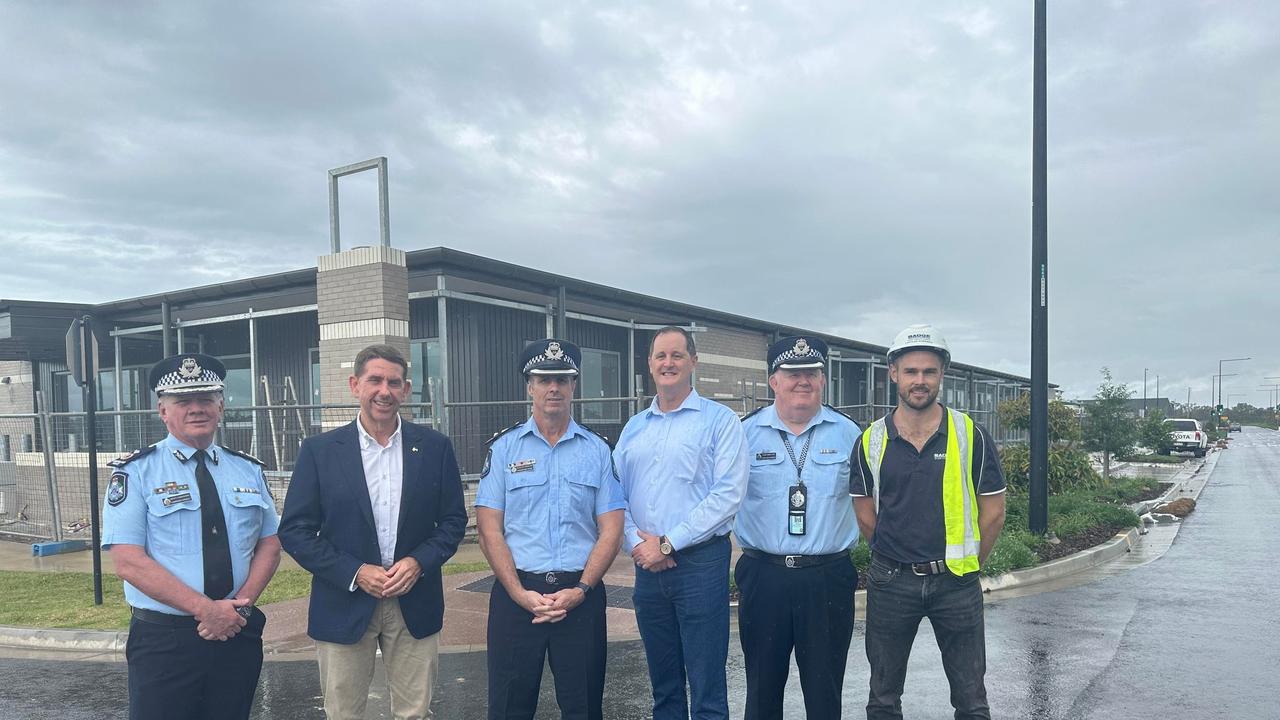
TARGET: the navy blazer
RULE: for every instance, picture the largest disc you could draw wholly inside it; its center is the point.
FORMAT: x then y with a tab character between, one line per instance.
328	528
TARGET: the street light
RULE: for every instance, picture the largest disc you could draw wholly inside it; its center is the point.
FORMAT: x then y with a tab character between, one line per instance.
1144	392
1220	373
1218	378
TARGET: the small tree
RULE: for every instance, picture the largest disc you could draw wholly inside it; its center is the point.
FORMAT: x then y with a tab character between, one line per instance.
1154	434
1109	427
1064	426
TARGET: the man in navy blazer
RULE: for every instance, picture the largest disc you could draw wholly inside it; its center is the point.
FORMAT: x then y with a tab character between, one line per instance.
373	510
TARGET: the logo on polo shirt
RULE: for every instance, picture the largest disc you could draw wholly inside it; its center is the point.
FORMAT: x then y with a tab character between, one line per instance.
940	456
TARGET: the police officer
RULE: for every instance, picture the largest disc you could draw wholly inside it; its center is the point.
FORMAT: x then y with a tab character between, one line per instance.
796	526
549	511
929	496
191	528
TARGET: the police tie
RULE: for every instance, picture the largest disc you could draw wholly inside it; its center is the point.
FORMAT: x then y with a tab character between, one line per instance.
217	552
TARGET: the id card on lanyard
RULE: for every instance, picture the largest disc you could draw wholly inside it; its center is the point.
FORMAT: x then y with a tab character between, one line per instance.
797	495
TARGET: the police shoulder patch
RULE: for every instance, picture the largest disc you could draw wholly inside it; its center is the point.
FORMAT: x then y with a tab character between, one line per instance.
598	434
488	462
246	456
502	432
130	457
117	488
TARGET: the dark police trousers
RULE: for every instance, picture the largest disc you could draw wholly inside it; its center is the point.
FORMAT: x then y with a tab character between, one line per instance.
809	609
174	673
575	648
897	599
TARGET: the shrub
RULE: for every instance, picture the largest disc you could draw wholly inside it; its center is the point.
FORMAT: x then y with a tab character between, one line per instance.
1013	550
861	555
1069	469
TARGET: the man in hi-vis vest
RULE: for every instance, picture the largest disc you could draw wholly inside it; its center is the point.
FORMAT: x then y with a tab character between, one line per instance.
929	496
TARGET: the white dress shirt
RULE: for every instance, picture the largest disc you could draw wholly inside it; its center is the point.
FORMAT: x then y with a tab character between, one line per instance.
384	476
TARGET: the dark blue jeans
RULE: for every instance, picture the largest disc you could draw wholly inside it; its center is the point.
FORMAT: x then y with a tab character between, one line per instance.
897	599
683	615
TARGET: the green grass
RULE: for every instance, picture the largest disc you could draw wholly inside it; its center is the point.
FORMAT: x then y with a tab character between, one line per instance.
65	599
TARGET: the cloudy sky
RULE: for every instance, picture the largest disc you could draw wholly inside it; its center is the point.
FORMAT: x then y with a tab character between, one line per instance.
845	166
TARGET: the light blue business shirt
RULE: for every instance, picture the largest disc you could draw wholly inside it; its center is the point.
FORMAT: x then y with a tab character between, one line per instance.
172	534
549	496
830	525
684	472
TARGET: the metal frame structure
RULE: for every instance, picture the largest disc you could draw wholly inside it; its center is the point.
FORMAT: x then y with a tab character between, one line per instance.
384	212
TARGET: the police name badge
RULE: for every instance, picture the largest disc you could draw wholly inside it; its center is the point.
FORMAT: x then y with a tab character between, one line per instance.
175	499
768	455
797	505
521	466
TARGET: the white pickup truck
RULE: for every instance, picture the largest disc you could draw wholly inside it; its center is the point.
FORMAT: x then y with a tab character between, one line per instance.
1188	436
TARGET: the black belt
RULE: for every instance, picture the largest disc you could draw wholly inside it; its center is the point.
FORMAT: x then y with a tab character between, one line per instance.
794	561
932	567
557	578
158	618
702	544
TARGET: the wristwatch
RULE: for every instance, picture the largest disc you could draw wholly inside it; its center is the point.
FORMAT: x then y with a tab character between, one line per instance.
664	545
585	588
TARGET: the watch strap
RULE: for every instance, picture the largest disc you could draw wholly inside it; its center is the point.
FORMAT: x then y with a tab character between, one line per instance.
585	588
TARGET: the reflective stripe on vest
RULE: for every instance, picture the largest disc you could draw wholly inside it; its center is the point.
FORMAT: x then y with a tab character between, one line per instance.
959	500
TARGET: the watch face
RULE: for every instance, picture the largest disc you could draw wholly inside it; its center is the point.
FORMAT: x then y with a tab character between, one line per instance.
665	547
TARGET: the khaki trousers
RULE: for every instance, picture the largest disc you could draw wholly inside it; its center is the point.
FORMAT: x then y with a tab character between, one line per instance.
347	670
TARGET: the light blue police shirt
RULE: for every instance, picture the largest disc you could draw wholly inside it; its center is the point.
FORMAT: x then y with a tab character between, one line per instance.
549	496
830	525
172	533
683	472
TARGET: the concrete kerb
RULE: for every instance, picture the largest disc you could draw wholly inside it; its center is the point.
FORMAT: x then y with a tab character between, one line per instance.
1189	483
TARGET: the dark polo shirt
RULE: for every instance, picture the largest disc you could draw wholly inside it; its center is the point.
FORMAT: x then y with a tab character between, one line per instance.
911	526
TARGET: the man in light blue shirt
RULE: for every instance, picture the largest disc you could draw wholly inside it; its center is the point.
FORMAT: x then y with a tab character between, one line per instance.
192	530
683	463
795	527
549	511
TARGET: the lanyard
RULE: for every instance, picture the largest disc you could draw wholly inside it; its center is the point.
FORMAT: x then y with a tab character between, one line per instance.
791	453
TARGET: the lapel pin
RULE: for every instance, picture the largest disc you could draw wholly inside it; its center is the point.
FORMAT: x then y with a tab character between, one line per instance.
414	448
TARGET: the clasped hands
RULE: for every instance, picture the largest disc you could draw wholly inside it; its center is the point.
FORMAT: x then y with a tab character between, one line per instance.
550	608
391	582
648	555
218	620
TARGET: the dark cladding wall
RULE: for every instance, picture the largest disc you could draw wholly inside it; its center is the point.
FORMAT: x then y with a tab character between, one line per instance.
610	338
484	344
424	321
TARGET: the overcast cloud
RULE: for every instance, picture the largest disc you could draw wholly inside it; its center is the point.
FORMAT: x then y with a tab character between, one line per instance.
849	167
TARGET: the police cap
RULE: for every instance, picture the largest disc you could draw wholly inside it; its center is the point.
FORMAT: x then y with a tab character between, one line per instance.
797	351
188	373
550	357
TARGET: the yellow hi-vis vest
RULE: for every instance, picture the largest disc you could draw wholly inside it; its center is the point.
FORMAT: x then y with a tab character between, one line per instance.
959	501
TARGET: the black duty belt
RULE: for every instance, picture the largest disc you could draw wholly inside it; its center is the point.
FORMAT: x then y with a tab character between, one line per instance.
794	561
158	618
557	578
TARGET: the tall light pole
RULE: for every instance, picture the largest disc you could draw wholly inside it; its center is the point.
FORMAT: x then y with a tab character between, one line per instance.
1144	392
1038	497
1220	374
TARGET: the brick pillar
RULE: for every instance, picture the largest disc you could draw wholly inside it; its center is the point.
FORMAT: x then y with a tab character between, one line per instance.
362	298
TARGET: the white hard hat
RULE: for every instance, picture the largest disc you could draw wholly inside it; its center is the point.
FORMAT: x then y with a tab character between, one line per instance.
920	337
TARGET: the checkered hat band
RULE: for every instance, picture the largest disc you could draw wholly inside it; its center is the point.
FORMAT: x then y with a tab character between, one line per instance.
174	381
791	355
543	358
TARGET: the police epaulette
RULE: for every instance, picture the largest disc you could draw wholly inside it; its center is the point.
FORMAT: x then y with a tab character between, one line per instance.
246	456
126	459
838	412
502	432
753	412
598	434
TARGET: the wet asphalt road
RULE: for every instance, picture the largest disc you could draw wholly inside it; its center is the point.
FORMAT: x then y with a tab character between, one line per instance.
1193	634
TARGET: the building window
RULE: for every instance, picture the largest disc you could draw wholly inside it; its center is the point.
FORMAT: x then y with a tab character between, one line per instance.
426	371
238	387
601	377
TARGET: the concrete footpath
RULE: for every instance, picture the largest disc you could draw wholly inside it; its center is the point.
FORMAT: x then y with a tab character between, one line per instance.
467	597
